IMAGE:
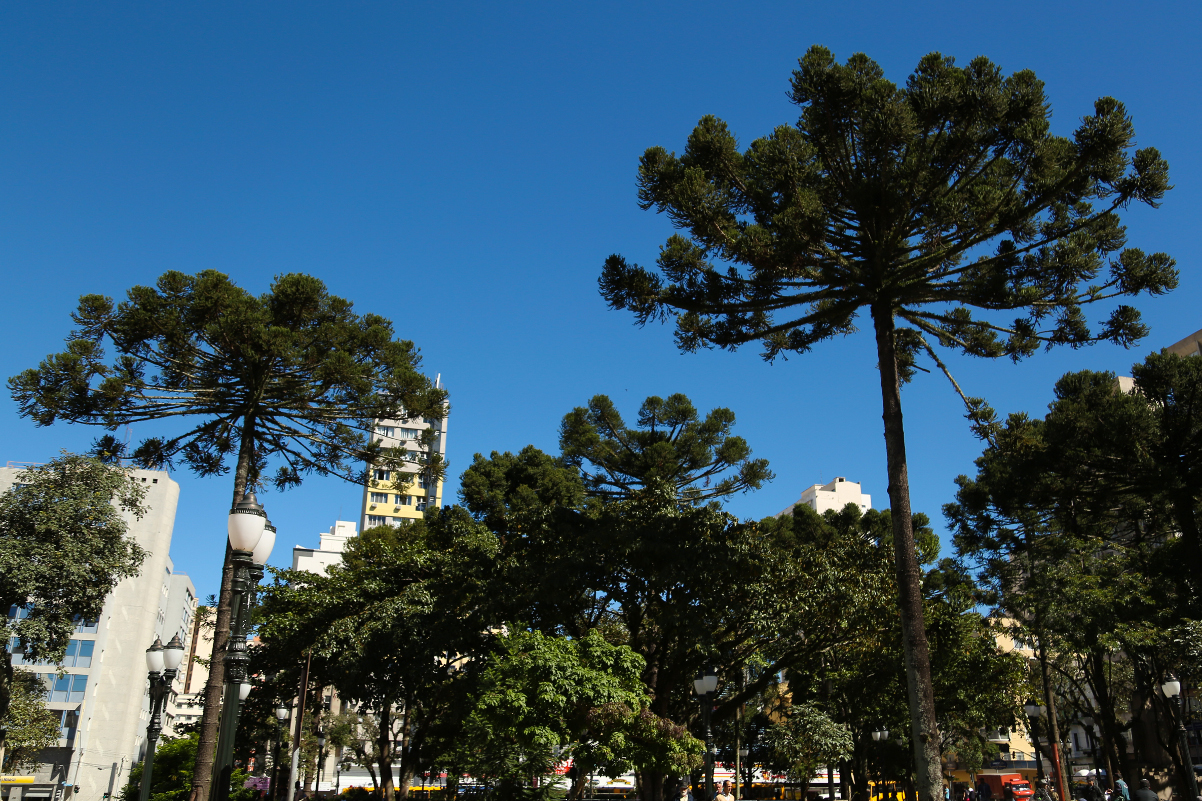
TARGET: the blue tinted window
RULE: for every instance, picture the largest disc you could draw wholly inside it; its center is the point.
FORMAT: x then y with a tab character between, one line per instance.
85	626
69	656
79	684
86	647
61	689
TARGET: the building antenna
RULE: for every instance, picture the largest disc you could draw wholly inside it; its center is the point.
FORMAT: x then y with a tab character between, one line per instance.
438	380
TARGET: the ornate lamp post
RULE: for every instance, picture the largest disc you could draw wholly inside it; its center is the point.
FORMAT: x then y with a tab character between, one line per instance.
1171	688
1034	712
321	758
704	685
281	715
161	666
251	539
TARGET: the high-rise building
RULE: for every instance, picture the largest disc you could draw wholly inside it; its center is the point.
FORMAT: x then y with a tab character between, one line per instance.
101	696
835	495
393	500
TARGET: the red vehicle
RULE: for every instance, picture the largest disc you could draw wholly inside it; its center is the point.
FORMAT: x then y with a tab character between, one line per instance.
1007	786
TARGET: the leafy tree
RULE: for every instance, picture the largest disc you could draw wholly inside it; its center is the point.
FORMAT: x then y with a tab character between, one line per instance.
382	628
622	535
292	376
861	684
543	699
63	548
943	205
174	765
672	451
28	725
807	739
1073	522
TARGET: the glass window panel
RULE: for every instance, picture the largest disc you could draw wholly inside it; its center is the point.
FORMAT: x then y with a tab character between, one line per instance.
69	656
79	683
62	688
86	647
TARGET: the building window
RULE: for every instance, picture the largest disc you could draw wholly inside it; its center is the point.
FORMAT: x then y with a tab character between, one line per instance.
377	520
379	497
404	500
409	433
382	474
66	689
421	506
85	626
422	483
386	431
79	653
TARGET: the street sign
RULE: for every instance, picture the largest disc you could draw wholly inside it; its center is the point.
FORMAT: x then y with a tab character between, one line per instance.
16	780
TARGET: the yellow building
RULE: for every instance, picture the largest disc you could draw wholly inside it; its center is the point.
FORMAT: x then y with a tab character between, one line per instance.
393	500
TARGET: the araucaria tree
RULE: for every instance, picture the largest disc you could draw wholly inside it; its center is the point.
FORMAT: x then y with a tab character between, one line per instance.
292	376
946	209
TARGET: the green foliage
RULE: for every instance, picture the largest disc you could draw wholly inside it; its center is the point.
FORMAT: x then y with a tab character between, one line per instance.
946	194
174	763
541	699
28	724
293	374
63	547
862	685
1083	525
807	739
672	451
382	627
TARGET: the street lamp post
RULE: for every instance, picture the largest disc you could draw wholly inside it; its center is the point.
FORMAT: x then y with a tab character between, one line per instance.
281	715
161	666
1171	688
704	685
251	539
1034	712
321	758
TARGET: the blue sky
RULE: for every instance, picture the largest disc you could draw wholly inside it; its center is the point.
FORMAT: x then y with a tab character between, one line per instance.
464	169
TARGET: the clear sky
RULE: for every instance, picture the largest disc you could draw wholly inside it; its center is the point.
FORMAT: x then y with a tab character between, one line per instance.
464	169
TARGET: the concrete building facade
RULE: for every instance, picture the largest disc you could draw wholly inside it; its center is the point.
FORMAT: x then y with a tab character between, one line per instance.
328	551
100	689
1190	346
833	495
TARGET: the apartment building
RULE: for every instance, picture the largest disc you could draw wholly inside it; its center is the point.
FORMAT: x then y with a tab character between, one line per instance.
329	549
393	500
833	495
100	691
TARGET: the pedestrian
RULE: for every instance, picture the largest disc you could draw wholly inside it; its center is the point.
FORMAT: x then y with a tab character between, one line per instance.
1144	793
1092	792
1041	791
969	793
947	793
1121	787
684	793
724	794
984	793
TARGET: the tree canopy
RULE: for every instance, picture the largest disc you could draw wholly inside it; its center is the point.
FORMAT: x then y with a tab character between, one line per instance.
946	208
292	377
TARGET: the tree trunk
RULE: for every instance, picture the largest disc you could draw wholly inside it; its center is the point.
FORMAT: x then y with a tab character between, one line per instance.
6	681
1049	700
384	750
210	719
924	730
407	767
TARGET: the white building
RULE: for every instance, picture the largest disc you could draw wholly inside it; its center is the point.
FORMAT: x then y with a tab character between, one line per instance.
328	551
102	696
834	495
